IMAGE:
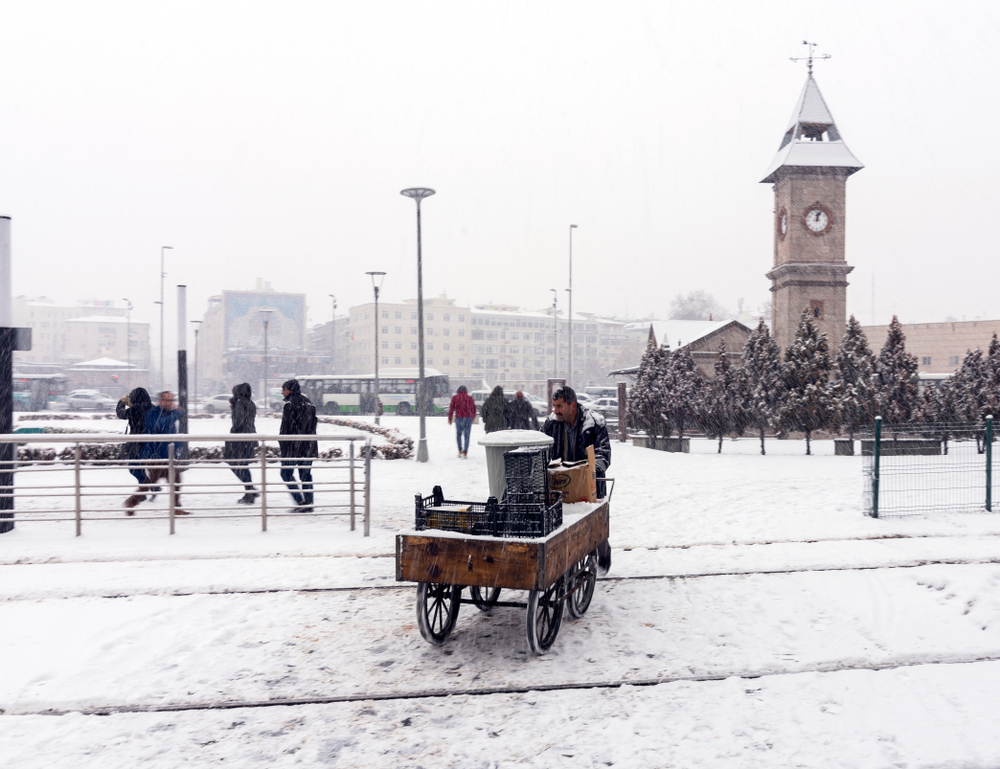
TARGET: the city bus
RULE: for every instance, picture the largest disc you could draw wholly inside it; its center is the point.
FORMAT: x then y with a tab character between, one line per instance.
34	392
397	390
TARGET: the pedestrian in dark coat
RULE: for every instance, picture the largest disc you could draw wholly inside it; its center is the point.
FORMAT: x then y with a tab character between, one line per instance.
161	420
134	407
495	411
298	418
573	427
521	414
462	410
238	453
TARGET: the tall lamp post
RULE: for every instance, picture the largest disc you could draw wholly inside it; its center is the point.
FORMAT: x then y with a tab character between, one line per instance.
333	336
163	274
418	194
377	278
569	378
555	324
128	339
194	400
265	315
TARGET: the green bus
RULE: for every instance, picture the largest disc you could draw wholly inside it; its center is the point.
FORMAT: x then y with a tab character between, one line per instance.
397	391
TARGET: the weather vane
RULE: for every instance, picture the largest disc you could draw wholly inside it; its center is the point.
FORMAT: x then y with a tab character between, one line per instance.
809	59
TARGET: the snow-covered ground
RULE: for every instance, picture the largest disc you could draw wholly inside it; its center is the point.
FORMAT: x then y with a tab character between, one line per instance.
752	617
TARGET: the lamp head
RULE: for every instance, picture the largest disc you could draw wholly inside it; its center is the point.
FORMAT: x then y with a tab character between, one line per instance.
417	193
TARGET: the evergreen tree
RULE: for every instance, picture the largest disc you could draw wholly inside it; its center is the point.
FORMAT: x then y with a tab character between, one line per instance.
938	411
854	387
808	404
762	382
646	399
722	411
991	398
682	388
896	378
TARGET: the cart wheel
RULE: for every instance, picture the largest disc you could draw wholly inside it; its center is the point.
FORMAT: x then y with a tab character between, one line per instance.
484	597
545	610
586	572
437	610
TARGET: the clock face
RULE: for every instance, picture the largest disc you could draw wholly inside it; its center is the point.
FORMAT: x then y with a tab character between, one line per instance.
817	220
782	223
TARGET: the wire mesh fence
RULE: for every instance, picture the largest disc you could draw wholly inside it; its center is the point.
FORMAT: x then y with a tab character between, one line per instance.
916	469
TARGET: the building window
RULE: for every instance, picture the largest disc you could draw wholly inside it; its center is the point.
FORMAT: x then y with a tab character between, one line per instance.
385	313
447	346
461	332
398	314
461	319
461	348
413	329
953	360
385	345
430	361
447	317
430	332
816	308
413	345
413	316
430	316
397	361
446	362
398	345
447	332
461	362
385	329
385	359
398	329
413	361
925	361
430	345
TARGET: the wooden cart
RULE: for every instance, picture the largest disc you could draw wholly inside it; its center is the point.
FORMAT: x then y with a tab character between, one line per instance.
558	570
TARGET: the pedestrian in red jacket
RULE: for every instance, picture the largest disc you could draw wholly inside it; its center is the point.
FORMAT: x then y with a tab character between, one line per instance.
462	410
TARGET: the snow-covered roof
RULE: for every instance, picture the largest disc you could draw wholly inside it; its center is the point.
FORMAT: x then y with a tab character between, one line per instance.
102	363
811	138
678	333
100	319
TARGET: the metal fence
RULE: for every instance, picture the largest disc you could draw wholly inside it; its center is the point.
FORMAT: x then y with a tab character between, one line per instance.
926	468
84	480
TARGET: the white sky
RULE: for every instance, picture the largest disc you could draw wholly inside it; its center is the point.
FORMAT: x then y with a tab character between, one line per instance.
272	140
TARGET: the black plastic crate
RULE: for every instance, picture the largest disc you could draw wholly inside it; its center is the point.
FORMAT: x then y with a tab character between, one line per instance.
511	519
436	512
527	474
533	519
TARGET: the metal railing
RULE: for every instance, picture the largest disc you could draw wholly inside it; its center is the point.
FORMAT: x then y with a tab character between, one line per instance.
83	483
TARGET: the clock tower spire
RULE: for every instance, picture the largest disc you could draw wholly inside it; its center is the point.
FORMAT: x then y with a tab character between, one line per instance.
809	175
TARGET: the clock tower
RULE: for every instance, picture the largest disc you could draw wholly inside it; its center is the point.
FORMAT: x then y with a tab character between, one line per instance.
809	175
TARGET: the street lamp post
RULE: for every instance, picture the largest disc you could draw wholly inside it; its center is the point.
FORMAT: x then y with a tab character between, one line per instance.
378	287
555	325
194	400
128	339
418	194
333	336
569	378
163	274
265	315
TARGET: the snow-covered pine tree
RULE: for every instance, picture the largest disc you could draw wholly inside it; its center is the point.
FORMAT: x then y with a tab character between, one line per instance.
854	386
762	382
937	410
721	409
808	404
682	390
895	378
991	398
970	386
646	398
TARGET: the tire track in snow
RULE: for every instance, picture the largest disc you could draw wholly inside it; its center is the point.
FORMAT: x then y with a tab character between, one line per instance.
826	668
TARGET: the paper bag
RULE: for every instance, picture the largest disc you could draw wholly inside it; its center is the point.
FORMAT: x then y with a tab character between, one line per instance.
576	480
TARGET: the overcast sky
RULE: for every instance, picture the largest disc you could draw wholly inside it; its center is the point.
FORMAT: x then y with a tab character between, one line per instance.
271	140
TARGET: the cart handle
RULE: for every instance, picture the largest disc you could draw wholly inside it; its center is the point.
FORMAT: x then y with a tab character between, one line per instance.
612	482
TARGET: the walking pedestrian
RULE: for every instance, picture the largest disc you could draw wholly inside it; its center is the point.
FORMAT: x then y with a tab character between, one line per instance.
163	419
521	414
495	411
134	408
238	453
298	418
463	410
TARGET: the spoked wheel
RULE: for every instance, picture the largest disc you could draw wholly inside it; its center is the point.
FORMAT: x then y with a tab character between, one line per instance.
484	597
545	610
584	579
437	610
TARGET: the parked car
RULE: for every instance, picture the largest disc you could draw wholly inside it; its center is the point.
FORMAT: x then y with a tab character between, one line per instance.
216	404
92	401
606	406
540	405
